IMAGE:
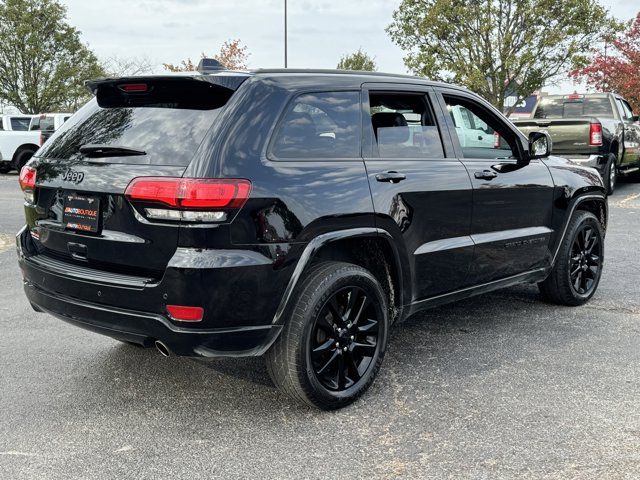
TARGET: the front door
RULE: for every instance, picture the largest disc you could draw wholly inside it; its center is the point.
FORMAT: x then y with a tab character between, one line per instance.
512	201
421	191
631	147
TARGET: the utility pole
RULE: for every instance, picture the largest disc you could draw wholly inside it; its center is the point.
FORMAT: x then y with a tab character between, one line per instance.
605	86
285	33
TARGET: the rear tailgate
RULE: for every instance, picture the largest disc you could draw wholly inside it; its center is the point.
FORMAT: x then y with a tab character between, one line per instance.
122	243
81	214
570	136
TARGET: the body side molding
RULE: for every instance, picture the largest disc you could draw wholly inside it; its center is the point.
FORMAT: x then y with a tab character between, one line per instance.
503	235
444	244
478	239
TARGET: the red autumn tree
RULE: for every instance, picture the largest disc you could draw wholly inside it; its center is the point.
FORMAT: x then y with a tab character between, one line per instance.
232	55
618	68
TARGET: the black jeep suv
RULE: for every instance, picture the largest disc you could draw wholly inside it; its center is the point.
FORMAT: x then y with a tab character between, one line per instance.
296	214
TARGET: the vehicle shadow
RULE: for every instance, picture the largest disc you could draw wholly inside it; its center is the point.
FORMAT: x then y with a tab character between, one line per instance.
433	336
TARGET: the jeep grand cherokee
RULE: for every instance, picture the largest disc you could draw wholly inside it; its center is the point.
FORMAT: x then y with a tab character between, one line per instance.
296	215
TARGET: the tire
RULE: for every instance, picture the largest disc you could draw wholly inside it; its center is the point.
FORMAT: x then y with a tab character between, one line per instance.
307	359
23	157
611	174
5	167
563	286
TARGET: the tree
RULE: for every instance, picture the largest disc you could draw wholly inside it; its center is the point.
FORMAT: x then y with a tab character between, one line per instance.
498	47
617	67
232	55
43	63
358	61
116	66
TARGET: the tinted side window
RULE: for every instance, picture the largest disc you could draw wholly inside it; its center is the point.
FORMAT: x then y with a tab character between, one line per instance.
20	123
625	110
404	126
320	125
481	134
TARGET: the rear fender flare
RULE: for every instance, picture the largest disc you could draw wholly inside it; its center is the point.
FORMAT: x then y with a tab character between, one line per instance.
318	242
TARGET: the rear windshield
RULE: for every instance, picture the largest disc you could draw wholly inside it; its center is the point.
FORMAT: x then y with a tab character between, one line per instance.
571	108
168	123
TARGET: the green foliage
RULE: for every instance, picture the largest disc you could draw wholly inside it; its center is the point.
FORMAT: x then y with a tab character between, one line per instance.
495	47
358	61
43	62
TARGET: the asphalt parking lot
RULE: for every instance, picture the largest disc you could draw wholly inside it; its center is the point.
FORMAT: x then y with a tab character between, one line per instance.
499	386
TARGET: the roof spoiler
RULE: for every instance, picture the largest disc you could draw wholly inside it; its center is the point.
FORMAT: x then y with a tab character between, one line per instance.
225	80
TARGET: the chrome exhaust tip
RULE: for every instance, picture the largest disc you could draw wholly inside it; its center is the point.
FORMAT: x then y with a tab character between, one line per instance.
162	348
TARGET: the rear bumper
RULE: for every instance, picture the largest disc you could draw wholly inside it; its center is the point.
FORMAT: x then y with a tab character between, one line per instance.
144	328
115	305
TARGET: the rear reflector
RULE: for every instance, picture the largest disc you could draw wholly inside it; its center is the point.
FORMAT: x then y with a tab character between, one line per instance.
190	193
27	178
595	134
185	314
133	87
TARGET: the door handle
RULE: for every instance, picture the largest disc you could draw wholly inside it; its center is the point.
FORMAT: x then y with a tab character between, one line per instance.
391	177
485	175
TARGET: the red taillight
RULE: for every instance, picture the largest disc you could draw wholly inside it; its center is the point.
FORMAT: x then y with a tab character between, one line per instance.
496	140
27	178
190	193
185	314
595	134
133	87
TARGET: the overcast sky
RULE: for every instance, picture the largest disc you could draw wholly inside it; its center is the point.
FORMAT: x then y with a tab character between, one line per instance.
320	31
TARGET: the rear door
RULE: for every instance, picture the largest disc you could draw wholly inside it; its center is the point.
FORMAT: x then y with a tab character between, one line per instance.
512	201
83	215
421	192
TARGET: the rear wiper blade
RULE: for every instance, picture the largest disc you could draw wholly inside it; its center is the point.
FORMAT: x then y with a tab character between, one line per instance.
98	150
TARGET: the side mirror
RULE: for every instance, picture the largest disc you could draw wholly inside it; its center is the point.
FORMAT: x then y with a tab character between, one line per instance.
540	145
635	119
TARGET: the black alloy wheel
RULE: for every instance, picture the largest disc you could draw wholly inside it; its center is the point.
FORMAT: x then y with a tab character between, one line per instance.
344	339
585	261
334	340
575	276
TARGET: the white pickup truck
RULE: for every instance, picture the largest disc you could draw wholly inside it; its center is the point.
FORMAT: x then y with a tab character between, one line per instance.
16	122
472	132
17	142
48	121
18	145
